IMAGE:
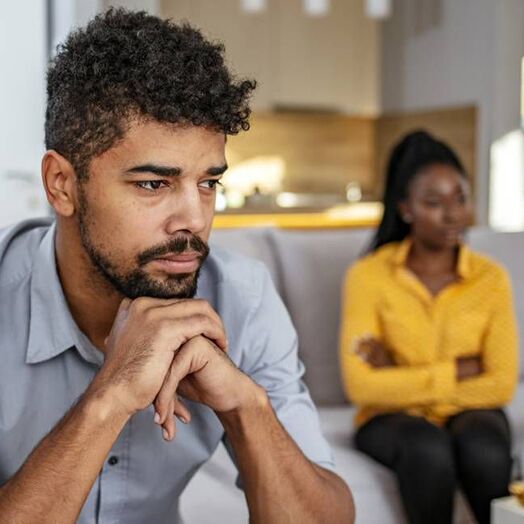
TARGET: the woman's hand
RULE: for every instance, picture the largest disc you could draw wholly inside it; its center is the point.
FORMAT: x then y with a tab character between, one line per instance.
373	352
468	367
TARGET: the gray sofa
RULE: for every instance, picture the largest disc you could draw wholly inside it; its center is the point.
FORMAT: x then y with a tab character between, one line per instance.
307	268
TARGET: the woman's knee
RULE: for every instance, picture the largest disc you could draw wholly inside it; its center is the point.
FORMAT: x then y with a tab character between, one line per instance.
427	450
484	456
482	438
483	448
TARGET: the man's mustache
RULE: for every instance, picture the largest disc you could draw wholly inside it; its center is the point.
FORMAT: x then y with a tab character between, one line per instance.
175	246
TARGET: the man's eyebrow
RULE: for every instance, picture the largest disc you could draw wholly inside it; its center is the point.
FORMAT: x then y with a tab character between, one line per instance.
154	169
215	171
171	171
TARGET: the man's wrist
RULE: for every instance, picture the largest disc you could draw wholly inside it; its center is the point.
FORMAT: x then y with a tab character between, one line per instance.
253	402
103	402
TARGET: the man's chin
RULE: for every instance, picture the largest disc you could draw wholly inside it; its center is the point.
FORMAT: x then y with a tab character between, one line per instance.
181	285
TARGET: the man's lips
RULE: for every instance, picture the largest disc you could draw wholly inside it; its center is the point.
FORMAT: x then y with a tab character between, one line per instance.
187	262
180	257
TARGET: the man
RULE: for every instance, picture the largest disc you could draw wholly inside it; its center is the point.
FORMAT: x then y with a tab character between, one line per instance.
99	330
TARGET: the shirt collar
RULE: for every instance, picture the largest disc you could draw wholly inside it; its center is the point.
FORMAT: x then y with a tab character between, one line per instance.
52	329
463	264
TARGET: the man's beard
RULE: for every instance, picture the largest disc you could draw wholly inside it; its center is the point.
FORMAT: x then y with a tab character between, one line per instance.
137	283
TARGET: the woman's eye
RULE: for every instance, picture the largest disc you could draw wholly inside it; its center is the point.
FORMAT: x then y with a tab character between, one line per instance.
432	203
150	185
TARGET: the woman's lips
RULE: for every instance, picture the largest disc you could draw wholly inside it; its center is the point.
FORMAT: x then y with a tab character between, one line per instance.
454	232
182	263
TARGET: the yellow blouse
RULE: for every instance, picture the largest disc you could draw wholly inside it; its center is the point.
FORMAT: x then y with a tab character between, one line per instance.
474	316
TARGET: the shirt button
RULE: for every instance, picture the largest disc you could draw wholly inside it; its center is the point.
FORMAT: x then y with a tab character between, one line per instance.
113	460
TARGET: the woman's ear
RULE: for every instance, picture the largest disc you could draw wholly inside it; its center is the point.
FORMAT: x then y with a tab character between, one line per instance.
58	177
404	211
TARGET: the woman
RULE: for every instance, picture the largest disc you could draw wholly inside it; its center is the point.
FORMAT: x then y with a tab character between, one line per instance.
428	342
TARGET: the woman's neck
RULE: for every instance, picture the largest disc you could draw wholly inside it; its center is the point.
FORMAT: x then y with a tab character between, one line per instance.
423	259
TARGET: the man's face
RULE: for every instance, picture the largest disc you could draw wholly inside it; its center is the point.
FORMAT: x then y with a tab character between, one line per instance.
146	210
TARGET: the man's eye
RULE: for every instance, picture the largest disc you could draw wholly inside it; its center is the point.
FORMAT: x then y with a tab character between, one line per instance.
211	184
150	185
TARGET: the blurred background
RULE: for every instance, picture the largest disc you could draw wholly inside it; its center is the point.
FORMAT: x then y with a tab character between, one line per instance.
340	81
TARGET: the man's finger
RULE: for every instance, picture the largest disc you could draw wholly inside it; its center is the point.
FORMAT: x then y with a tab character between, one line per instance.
169	426
184	363
180	410
184	329
175	407
185	308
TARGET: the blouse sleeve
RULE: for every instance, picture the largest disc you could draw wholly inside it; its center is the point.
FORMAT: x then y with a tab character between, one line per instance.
496	385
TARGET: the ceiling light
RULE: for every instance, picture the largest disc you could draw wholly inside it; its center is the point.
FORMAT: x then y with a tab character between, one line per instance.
378	9
316	7
254	6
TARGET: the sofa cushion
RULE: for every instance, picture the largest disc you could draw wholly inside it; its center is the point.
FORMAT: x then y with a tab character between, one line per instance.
313	264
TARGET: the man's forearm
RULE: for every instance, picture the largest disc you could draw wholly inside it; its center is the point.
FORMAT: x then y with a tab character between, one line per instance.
53	483
280	483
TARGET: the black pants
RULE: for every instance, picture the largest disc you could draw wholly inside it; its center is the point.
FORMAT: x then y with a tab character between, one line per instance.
473	449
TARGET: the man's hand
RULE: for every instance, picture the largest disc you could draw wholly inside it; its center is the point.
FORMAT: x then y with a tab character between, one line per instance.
202	372
143	341
372	351
468	367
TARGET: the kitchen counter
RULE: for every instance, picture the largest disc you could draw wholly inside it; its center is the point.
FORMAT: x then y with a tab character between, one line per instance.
364	214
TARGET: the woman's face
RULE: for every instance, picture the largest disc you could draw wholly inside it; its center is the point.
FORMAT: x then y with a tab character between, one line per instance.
438	206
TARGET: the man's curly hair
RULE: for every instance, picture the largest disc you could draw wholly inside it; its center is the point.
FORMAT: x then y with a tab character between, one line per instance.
126	64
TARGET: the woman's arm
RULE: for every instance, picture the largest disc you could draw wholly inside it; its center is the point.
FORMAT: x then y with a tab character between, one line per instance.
495	385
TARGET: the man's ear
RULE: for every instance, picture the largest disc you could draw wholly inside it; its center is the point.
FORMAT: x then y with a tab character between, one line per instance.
59	179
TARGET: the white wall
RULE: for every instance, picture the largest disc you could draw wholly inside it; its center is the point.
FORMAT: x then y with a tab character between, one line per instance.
439	53
23	55
25	39
67	15
332	61
506	198
151	6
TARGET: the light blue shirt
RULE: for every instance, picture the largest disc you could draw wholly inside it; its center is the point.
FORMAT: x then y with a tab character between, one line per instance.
46	363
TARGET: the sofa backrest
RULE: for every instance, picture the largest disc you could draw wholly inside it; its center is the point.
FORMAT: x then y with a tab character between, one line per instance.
313	264
308	268
253	242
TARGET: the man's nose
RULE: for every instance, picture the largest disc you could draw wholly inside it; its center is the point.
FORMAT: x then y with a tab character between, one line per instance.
187	213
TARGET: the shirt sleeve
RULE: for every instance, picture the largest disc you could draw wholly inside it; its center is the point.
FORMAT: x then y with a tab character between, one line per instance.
394	387
271	359
496	385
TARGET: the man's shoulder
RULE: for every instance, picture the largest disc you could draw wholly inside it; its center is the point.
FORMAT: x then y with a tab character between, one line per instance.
18	246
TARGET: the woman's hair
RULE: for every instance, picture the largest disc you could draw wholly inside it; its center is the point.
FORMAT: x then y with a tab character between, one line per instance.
409	157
